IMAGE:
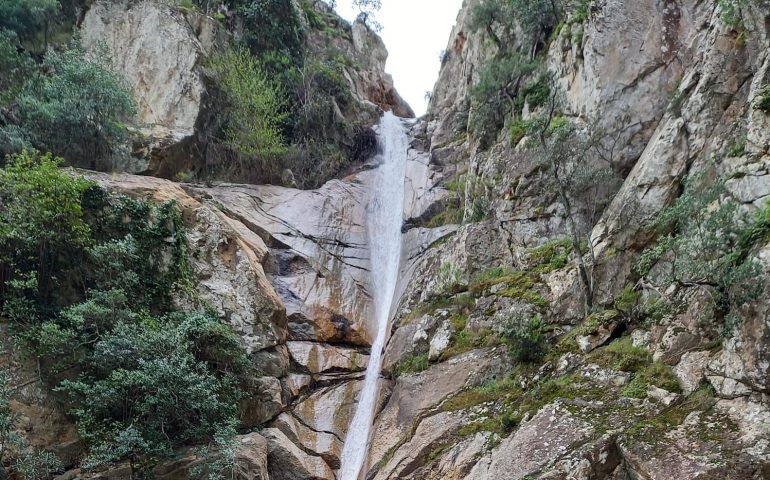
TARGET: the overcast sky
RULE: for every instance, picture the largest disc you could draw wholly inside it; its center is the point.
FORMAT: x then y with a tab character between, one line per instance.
415	32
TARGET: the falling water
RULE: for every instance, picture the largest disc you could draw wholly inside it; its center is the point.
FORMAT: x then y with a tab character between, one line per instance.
385	216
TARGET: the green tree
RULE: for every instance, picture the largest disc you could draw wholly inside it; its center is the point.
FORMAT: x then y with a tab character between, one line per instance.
16	66
525	338
154	385
41	224
28	18
707	241
78	111
256	105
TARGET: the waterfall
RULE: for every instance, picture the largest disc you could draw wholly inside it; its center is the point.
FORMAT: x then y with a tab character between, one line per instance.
384	220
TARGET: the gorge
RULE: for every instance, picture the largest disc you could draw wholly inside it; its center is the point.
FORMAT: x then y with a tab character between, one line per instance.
560	271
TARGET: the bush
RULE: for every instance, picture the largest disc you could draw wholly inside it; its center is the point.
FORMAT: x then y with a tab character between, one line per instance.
525	338
41	224
255	106
150	387
16	68
272	26
709	242
28	18
762	101
78	111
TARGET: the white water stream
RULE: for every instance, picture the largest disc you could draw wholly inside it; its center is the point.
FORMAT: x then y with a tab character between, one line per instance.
384	220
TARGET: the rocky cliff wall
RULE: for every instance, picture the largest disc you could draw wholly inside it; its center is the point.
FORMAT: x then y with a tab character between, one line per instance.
678	86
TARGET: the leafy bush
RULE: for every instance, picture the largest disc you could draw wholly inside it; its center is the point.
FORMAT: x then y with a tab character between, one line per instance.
255	105
87	279
412	364
450	278
77	111
525	338
17	67
151	386
41	223
709	241
762	101
27	18
272	26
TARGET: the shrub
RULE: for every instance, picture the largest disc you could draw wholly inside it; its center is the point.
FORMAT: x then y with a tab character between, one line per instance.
147	389
709	241
78	111
412	364
17	68
272	26
256	105
525	338
27	18
762	101
450	278
41	224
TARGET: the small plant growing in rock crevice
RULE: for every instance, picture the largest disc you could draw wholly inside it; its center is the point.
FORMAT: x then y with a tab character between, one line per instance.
762	101
525	338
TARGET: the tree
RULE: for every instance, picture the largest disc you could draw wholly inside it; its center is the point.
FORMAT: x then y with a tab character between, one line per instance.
41	224
706	240
77	111
28	18
573	159
152	386
256	105
17	67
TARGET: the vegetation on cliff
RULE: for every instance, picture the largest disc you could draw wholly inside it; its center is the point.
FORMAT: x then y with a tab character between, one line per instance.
86	282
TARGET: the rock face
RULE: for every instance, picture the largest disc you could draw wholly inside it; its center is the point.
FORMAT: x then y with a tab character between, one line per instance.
627	390
676	83
161	51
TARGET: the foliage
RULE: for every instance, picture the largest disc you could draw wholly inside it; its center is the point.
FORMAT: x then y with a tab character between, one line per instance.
707	242
624	356
256	104
77	111
41	222
551	256
16	67
730	12
762	100
25	461
494	96
525	338
149	386
412	364
450	278
272	26
142	378
27	18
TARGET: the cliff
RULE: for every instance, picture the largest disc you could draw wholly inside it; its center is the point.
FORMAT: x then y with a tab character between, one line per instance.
583	279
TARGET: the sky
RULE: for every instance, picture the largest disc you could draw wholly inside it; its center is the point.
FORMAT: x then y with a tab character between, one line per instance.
415	32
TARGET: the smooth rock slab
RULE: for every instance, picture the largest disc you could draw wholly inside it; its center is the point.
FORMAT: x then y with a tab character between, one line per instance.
286	461
321	358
